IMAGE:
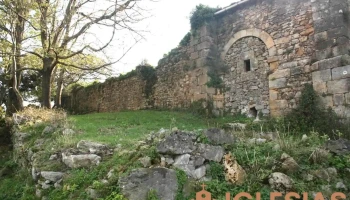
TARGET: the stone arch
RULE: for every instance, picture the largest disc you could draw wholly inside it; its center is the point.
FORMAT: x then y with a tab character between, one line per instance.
272	58
262	35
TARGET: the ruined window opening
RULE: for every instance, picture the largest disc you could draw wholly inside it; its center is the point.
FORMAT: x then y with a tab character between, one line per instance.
247	66
253	112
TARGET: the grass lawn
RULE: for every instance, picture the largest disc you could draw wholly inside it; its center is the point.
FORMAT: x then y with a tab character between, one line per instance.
129	126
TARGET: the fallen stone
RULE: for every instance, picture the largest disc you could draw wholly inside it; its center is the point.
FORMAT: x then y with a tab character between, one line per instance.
48	130
319	156
177	143
79	161
198	161
340	185
236	126
137	185
145	161
199	172
325	174
289	165
280	182
68	132
53	157
234	173
304	138
338	147
51	176
92	147
93	194
212	153
219	136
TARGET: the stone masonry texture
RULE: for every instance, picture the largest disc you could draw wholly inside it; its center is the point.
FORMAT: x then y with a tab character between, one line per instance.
287	44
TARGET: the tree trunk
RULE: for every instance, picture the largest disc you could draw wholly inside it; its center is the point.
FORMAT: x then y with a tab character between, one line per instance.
58	98
46	82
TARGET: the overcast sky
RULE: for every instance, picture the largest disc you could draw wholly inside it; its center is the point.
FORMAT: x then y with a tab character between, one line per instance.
168	24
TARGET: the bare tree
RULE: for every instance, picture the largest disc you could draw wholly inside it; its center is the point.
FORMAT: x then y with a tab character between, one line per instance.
66	30
13	24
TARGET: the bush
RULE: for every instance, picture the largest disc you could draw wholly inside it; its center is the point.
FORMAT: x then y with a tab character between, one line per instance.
186	40
216	67
201	15
311	115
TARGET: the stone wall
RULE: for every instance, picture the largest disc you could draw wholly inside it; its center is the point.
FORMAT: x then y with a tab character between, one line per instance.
249	87
110	96
287	43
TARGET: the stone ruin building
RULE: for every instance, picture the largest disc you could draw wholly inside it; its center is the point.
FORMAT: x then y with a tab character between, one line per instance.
272	49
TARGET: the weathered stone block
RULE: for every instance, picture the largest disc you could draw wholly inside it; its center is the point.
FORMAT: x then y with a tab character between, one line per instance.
320	87
272	59
278	83
273	66
327	101
338	86
201	62
341	72
324	54
278	104
347	98
274	95
338	99
203	45
308	31
204	53
272	51
194	55
330	63
283	73
321	76
289	65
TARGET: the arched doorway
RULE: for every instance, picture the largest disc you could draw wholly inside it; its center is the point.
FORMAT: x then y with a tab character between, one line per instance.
250	57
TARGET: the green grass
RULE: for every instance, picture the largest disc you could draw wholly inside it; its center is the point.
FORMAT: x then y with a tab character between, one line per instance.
130	126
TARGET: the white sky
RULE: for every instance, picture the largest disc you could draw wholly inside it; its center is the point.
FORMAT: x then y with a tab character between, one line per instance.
168	24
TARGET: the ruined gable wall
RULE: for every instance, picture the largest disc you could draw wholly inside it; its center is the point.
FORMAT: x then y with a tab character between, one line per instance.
289	52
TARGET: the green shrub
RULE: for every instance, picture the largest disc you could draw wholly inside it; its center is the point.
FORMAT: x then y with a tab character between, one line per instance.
181	180
201	15
217	67
148	73
186	40
311	115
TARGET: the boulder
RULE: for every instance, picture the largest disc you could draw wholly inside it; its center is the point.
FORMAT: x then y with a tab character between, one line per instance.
93	194
280	182
48	130
145	161
177	143
320	155
340	185
325	174
289	165
137	185
338	147
79	161
236	126
219	136
209	152
68	132
51	176
92	147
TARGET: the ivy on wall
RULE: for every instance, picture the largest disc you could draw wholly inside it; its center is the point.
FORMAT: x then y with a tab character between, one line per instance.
148	74
201	15
216	68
